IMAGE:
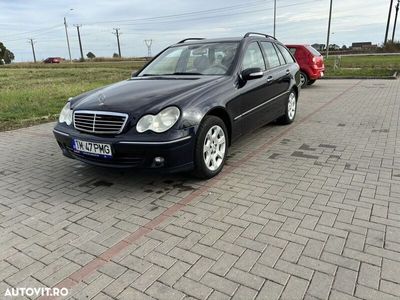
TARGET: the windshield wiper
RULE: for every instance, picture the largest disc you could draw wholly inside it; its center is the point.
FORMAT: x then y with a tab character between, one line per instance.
176	73
186	73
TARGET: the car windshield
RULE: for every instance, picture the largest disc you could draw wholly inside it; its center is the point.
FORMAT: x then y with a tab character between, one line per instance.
198	59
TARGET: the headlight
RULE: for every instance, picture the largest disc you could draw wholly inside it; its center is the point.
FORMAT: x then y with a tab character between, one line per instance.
161	122
66	114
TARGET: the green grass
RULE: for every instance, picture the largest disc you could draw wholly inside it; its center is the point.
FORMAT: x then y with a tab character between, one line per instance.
363	66
34	93
37	94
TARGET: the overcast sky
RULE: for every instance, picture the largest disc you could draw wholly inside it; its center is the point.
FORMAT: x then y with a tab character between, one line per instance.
298	21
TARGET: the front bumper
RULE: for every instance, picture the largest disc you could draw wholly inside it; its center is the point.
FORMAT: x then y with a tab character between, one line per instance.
177	154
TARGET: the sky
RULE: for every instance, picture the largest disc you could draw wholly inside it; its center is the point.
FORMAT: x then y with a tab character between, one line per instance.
168	21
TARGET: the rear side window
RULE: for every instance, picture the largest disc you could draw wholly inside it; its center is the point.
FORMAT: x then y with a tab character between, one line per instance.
271	55
289	59
313	51
281	58
293	51
253	57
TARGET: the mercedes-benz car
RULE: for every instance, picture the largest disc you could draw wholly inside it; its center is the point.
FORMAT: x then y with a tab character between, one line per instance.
184	108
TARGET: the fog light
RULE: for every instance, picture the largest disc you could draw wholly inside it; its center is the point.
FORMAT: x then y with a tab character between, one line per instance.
159	161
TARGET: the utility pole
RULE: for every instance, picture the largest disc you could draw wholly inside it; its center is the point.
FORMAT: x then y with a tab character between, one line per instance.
148	44
80	42
274	18
388	22
117	34
395	19
33	49
66	34
329	29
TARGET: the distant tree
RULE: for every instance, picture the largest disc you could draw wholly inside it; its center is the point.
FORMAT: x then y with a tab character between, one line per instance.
115	55
90	55
392	47
6	56
344	47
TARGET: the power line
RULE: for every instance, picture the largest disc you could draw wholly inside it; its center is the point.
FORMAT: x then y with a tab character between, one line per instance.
117	34
220	15
191	19
31	31
35	35
208	11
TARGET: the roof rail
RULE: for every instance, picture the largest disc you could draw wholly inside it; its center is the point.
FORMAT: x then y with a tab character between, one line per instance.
188	39
257	33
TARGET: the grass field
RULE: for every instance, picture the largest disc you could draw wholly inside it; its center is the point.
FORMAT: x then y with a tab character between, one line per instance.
363	66
34	93
31	94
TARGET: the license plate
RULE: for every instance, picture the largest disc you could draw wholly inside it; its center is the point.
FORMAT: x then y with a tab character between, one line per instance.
90	148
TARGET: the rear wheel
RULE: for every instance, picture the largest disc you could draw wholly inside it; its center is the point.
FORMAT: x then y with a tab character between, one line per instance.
311	82
211	147
303	79
291	109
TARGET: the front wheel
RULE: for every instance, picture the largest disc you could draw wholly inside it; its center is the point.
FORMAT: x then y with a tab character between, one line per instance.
211	147
291	109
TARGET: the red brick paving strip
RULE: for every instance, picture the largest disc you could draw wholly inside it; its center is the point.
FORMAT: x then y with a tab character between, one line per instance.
106	256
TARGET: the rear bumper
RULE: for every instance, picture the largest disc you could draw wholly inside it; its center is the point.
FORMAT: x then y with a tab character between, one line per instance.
177	154
314	74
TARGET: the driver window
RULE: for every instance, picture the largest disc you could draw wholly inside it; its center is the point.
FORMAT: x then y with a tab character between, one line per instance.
253	57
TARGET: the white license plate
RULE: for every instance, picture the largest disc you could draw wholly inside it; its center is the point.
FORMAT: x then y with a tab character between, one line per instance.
91	148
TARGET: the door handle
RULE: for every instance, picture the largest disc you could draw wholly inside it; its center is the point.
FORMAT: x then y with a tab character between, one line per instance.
287	71
269	79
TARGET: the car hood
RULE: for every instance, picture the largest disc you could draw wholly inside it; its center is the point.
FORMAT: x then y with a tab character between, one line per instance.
144	94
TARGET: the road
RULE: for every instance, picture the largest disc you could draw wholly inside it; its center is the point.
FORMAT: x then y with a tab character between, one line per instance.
310	210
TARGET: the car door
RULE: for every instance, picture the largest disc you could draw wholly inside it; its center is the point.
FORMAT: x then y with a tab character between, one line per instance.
254	94
278	75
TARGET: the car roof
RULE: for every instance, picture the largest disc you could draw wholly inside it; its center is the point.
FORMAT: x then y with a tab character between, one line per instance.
222	40
297	45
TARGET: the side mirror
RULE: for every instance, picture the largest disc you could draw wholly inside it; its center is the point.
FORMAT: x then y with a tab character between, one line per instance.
252	73
134	73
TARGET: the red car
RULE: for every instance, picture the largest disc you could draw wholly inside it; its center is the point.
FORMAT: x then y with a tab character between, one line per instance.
310	61
52	60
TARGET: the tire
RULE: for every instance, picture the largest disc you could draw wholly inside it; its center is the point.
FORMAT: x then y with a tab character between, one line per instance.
290	110
311	82
303	80
211	147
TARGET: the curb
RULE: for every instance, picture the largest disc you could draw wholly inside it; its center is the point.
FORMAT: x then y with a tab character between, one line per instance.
395	76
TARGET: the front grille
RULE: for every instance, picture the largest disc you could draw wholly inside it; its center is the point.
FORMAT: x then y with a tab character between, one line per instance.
100	122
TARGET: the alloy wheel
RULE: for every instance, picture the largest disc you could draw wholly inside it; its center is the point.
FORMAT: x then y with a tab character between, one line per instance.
292	105
303	80
214	148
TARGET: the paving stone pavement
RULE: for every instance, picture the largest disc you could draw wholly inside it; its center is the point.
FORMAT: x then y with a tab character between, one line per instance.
306	211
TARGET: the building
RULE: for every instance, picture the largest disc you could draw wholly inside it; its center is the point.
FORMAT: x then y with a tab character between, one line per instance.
334	47
319	47
363	46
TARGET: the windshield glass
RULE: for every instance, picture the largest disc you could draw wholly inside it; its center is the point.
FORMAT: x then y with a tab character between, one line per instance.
199	59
